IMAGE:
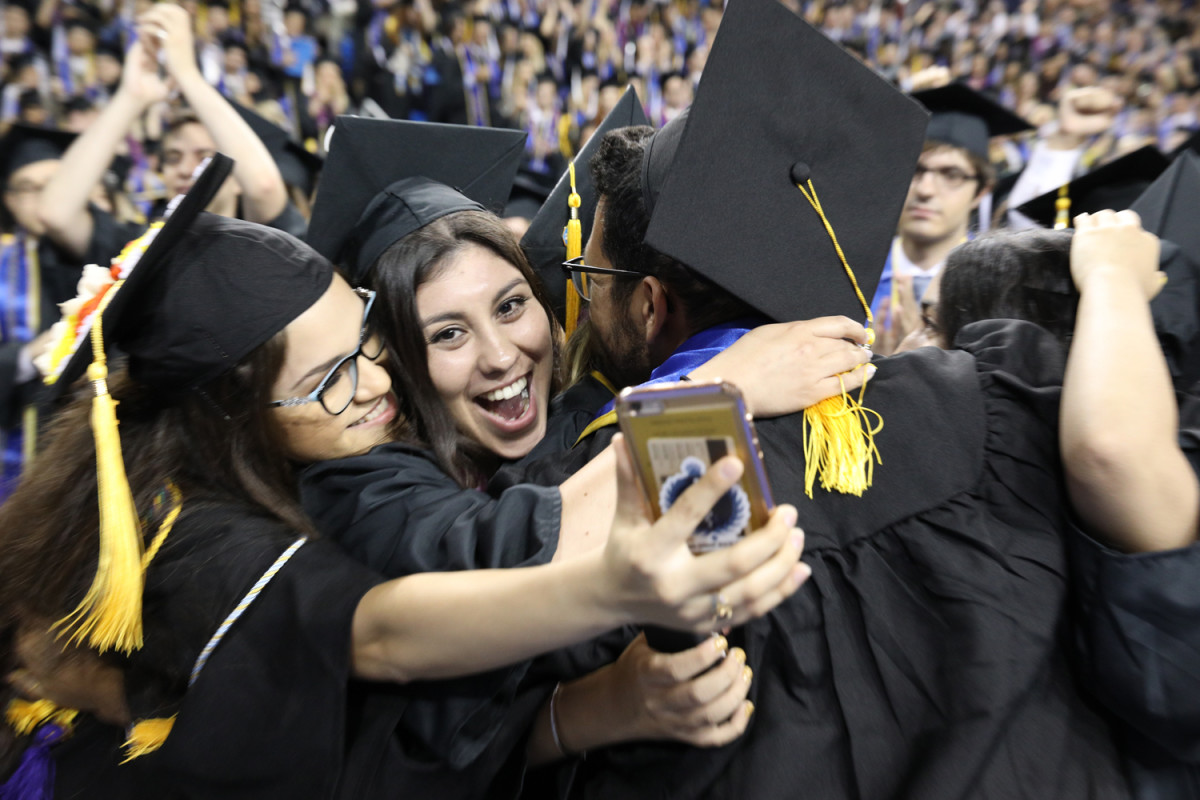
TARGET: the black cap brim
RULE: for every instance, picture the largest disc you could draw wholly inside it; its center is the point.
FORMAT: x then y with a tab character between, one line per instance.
368	155
544	243
1115	185
965	118
116	317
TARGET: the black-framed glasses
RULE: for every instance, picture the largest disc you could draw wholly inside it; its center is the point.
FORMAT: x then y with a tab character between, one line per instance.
336	390
579	272
946	177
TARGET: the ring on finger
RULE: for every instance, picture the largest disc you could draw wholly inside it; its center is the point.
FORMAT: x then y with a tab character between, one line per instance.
722	610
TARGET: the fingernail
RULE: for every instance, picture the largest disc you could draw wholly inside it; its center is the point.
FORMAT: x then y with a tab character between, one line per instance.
747	674
739	655
789	515
1162	276
798	539
749	708
870	336
720	644
871	370
731	469
801	572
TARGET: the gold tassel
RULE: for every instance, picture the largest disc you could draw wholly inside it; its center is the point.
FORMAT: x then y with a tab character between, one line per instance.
574	250
25	716
839	444
110	615
839	434
1062	209
146	736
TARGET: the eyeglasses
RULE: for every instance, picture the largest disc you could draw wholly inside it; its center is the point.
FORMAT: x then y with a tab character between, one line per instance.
945	177
336	390
579	272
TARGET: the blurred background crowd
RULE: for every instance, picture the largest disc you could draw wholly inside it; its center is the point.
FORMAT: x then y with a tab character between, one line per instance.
554	67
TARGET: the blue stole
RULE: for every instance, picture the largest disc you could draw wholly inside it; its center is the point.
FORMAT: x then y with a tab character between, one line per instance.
20	317
696	350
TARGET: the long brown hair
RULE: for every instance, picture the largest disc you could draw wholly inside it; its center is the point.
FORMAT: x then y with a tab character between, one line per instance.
216	443
396	276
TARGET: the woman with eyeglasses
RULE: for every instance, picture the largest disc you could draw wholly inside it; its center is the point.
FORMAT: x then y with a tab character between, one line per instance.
224	650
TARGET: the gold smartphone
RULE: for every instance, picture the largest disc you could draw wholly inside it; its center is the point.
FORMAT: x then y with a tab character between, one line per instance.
675	432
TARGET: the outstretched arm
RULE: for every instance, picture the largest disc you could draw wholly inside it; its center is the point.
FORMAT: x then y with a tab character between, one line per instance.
1128	478
443	625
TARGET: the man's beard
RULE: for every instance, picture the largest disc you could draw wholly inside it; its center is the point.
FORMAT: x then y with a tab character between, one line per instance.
622	354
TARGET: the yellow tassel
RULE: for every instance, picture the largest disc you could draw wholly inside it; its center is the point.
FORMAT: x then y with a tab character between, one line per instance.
110	615
839	432
574	250
26	716
839	444
1062	209
146	736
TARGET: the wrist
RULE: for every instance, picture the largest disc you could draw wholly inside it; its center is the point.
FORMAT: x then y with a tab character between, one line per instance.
1112	276
189	79
128	105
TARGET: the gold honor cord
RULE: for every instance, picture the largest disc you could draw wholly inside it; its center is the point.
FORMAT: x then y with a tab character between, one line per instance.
574	242
839	432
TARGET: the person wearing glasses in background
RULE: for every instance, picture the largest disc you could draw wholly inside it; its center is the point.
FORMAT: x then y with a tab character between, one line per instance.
951	181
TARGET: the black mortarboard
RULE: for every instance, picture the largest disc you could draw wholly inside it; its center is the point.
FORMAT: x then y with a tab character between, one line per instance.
781	105
367	156
26	144
966	118
529	192
206	292
545	241
1115	185
298	166
1168	209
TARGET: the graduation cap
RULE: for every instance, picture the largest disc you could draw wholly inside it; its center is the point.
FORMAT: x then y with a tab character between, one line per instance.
1168	209
965	118
546	240
192	298
27	144
298	167
784	188
368	156
1115	185
529	192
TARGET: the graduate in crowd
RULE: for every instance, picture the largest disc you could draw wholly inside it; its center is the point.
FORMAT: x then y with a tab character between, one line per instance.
927	654
954	177
475	393
256	190
220	636
36	275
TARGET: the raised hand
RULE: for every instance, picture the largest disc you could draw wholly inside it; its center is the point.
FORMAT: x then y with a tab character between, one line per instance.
1113	242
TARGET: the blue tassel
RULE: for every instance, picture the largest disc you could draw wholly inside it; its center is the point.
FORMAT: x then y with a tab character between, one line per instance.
34	778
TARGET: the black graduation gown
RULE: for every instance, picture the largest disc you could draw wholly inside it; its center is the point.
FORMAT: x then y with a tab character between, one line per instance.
1139	639
395	511
265	717
928	655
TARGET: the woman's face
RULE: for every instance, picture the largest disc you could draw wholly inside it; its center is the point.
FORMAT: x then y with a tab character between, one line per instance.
490	350
316	341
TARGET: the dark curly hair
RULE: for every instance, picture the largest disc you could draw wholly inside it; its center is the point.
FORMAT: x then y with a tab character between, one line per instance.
616	173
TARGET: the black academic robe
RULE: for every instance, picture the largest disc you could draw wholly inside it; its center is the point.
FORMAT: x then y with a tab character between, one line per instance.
395	511
928	655
266	715
1139	640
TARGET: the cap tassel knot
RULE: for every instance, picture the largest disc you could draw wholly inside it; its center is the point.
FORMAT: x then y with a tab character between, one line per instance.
110	614
574	235
839	432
